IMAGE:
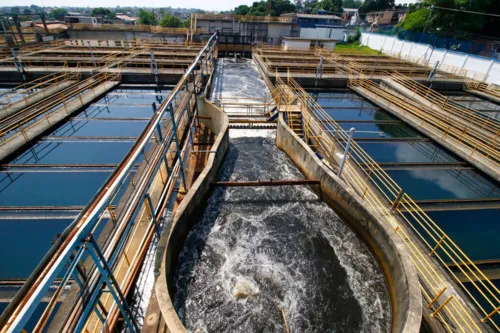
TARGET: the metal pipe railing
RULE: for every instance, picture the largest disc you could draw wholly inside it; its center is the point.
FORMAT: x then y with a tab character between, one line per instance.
23	305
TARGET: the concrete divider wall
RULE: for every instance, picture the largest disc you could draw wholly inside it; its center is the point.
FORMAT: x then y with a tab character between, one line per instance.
187	215
425	52
390	251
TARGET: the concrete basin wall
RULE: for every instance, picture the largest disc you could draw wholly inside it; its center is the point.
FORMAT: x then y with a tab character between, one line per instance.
390	251
187	215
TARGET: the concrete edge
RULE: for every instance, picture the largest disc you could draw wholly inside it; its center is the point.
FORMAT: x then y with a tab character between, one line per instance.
388	248
172	239
16	142
451	144
484	95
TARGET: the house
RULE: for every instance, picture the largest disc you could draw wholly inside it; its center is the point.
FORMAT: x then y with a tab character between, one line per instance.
125	19
378	18
312	20
303	44
349	13
81	19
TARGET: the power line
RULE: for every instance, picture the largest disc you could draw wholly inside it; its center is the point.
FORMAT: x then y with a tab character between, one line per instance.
467	11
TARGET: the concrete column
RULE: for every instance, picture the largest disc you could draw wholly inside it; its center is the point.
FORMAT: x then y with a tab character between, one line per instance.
394	42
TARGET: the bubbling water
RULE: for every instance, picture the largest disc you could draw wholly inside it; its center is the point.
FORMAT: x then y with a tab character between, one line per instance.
263	252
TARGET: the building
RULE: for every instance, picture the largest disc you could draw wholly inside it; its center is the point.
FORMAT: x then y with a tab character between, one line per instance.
304	43
72	19
349	13
125	19
378	18
248	30
312	20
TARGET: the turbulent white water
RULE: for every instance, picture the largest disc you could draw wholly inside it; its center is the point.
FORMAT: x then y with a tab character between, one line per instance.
262	250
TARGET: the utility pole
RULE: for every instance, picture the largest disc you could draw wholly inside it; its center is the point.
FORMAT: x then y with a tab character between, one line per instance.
426	23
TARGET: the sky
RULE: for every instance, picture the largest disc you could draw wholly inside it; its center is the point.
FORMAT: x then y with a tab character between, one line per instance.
200	4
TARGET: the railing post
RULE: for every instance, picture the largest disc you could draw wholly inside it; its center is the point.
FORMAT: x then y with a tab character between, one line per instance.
347	149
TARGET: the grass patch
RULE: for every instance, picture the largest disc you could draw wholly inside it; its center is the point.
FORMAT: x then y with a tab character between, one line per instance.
354	48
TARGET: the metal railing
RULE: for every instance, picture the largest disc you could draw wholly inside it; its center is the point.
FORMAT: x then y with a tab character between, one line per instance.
25	90
78	239
453	108
21	121
132	27
477	142
477	83
385	196
248	18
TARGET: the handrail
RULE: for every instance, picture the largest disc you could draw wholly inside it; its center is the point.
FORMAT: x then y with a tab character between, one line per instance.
383	194
478	142
468	114
27	299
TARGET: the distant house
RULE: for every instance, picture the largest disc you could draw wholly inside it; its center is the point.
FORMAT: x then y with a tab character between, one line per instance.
303	44
387	17
312	20
349	13
378	18
125	19
81	19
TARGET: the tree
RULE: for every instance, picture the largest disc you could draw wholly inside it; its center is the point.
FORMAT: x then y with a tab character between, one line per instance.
334	6
147	18
440	21
58	14
416	20
170	21
99	11
242	10
376	5
186	23
352	3
259	8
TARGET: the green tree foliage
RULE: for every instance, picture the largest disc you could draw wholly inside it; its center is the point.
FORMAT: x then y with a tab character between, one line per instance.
333	6
258	8
170	21
186	23
147	18
452	22
352	3
376	5
415	21
58	14
99	11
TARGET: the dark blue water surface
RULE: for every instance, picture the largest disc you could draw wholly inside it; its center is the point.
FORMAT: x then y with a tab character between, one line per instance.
468	228
407	152
102	128
78	152
373	130
50	188
444	184
127	111
29	240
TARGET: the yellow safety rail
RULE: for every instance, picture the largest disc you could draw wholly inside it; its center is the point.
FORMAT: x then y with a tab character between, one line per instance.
453	108
25	90
476	84
54	104
385	196
477	141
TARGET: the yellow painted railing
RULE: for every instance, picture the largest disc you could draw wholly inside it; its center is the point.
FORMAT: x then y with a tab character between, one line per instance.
43	110
467	114
406	218
478	143
25	90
